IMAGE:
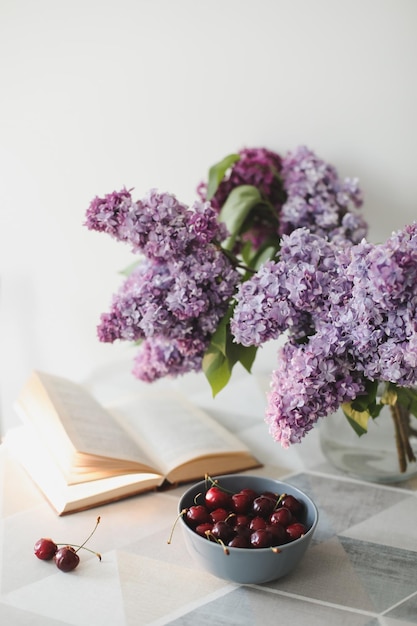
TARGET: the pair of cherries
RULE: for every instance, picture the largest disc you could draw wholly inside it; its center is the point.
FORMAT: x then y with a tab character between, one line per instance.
66	557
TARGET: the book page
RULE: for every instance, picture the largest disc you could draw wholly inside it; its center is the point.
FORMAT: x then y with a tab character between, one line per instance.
89	428
68	498
173	431
155	430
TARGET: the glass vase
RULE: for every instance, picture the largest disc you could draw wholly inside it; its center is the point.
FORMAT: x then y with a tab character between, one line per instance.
373	456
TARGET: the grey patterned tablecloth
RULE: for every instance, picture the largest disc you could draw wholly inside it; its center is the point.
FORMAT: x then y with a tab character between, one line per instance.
361	569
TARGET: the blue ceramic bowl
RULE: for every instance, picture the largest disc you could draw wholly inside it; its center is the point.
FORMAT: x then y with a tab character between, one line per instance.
248	565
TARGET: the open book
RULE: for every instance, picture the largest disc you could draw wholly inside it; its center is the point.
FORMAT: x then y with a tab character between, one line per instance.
81	454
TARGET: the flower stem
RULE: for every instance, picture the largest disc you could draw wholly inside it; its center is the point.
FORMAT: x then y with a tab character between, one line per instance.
401	418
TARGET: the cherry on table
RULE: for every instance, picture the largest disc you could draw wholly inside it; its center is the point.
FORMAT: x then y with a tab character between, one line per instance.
66	559
45	549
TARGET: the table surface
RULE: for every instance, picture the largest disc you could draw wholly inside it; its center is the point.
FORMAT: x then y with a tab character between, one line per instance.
360	570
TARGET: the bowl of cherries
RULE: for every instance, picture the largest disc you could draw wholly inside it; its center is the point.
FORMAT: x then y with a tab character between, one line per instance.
247	529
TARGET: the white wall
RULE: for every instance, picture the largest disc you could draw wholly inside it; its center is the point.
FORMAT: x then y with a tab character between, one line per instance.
97	94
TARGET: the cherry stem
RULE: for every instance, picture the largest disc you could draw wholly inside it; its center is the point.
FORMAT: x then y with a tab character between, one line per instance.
215	483
180	514
278	502
98	555
74	545
196	497
210	537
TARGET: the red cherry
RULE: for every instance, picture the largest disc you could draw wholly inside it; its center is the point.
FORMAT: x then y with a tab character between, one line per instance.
272	496
45	549
219	515
222	531
296	530
294	505
261	538
257	523
250	492
197	514
240	541
66	559
203	529
216	498
241	502
263	506
242	520
282	516
243	530
278	534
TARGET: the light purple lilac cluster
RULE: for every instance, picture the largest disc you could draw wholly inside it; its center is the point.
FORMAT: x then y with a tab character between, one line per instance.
174	299
319	200
350	312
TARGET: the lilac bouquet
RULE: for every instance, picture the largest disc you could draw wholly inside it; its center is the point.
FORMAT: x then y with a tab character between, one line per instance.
273	244
350	313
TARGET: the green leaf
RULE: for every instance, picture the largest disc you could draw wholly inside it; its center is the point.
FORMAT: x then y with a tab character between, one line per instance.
366	401
407	397
219	337
217	172
223	354
235	210
247	356
357	419
217	369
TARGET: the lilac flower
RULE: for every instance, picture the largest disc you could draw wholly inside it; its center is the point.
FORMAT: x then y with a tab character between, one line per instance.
304	387
318	200
283	295
350	313
109	213
180	299
158	225
159	357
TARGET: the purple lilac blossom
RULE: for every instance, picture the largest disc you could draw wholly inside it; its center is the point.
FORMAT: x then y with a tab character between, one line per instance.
319	200
158	225
284	295
172	302
306	385
352	307
159	357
